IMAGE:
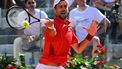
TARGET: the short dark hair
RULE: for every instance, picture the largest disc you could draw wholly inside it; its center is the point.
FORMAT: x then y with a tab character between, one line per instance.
25	1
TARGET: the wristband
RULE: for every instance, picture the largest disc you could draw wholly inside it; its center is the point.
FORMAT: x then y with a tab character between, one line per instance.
89	37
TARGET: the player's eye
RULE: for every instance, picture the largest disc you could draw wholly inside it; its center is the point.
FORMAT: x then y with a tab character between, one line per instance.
31	2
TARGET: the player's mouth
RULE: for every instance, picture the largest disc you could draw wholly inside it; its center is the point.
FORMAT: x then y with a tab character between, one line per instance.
63	13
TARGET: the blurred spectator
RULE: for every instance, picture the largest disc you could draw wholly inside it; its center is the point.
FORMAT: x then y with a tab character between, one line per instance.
82	16
103	5
110	9
120	21
29	39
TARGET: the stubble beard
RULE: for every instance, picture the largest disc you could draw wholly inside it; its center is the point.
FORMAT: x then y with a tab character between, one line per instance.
63	17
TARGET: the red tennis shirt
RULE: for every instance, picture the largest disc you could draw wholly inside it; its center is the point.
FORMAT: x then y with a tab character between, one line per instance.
56	49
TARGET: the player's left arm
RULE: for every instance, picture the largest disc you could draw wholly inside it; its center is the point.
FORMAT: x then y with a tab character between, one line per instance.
79	48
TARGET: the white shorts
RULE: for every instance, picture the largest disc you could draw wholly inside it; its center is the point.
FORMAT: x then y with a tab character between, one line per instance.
42	66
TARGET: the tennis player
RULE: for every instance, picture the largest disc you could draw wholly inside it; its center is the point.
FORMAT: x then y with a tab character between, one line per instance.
59	37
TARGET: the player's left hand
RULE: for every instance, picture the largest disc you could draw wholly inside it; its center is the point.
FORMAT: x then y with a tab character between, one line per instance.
93	28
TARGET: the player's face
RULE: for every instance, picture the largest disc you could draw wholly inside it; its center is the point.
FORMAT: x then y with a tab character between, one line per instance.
30	4
61	9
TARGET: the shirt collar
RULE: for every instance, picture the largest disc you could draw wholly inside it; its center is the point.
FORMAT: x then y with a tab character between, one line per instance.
60	21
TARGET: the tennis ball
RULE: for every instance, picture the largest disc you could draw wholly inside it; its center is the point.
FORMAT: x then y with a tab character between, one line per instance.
25	24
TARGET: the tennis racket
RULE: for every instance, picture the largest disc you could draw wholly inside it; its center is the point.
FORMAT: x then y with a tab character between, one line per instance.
12	17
